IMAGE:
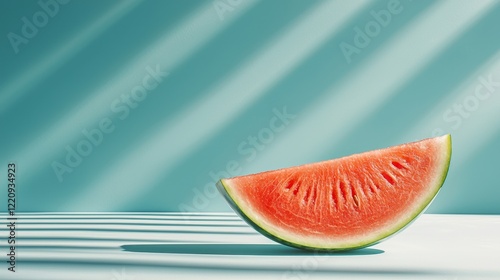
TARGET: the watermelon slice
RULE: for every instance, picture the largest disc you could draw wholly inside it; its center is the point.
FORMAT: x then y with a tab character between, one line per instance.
346	203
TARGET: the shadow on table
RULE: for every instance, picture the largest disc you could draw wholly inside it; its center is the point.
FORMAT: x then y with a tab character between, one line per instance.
239	249
289	270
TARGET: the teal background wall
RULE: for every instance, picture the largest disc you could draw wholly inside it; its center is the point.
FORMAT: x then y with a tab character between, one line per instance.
141	105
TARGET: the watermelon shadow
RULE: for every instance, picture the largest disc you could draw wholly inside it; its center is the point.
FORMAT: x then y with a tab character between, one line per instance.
240	250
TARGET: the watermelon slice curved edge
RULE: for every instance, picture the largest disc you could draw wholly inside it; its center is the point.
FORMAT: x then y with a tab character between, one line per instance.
342	230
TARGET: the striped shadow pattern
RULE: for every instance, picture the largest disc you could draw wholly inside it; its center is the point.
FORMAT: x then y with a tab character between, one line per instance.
126	245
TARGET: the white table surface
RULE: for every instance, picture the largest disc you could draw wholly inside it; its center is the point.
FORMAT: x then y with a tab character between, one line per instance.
133	246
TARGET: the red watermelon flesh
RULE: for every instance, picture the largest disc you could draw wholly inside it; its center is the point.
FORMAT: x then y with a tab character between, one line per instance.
346	203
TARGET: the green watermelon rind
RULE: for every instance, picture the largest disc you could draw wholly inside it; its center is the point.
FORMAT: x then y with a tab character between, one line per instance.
226	192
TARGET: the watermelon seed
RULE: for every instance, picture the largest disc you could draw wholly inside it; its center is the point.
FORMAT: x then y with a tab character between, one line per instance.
354	193
388	178
356	200
289	185
398	165
296	190
343	190
305	199
313	195
372	186
334	195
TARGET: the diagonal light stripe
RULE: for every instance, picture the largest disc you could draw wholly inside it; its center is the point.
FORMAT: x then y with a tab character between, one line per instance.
185	39
154	158
435	119
51	62
347	104
480	127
